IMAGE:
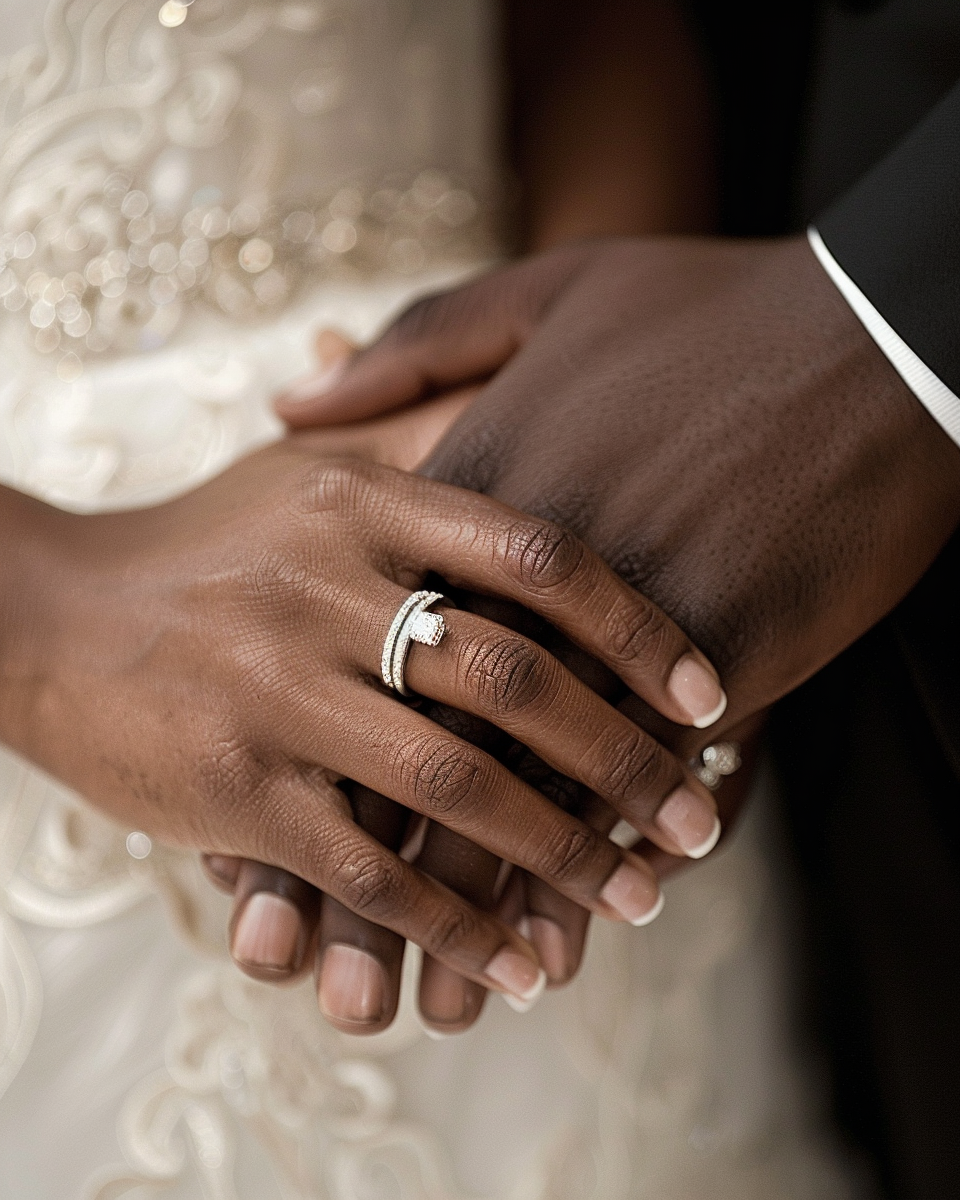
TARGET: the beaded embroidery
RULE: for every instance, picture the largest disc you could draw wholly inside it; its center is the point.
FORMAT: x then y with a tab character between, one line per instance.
108	238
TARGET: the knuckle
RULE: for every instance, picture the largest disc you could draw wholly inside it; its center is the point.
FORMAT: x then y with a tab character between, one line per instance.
566	855
423	318
231	774
242	788
630	771
506	672
331	486
637	633
275	579
450	931
441	775
286	583
436	316
367	883
544	556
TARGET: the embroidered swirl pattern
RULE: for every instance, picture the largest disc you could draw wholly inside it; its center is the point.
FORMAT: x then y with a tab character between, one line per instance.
110	231
163	192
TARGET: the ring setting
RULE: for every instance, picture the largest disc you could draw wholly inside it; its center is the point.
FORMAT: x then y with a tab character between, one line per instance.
427	628
716	762
413	623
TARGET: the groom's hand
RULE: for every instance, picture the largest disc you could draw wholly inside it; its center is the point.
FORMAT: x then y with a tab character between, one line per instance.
708	415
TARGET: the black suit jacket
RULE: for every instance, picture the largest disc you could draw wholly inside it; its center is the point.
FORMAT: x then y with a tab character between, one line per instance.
849	115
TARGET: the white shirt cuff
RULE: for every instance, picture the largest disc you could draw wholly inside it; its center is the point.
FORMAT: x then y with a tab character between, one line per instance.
932	392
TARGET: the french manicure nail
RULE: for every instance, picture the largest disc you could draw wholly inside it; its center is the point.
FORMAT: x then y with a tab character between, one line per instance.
633	894
624	835
690	821
652	914
267	935
697	690
550	943
351	986
438	1035
522	1006
521	979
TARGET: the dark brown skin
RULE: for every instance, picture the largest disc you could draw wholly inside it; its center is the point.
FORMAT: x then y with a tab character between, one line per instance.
712	419
207	669
710	416
610	131
610	122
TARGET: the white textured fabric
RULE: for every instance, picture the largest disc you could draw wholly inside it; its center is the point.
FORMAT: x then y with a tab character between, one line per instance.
134	1058
939	401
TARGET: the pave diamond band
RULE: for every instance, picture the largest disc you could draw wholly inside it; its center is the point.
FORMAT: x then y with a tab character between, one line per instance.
413	623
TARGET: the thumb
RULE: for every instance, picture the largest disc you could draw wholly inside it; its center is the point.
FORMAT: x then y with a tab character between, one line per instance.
443	341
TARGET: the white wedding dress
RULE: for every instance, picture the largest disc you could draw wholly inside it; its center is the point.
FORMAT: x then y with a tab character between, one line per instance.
183	204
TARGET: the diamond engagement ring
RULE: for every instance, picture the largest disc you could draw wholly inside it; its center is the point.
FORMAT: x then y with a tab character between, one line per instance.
715	762
413	623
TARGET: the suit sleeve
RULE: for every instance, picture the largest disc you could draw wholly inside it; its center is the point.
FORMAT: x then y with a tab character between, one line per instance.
896	235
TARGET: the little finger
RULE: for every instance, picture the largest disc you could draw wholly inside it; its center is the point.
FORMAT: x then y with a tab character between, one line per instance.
401	754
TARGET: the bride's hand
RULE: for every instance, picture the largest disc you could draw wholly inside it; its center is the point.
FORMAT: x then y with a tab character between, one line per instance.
349	948
199	668
556	926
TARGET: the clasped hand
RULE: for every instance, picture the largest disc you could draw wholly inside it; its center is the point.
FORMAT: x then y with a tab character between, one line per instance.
208	671
713	419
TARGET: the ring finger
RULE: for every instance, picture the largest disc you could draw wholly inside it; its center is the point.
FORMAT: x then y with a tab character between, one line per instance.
502	677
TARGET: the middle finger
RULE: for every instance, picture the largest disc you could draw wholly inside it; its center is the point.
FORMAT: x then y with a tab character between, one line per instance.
499	675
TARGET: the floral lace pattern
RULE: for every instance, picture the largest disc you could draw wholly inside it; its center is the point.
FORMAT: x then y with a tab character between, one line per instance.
166	193
658	1114
180	205
112	230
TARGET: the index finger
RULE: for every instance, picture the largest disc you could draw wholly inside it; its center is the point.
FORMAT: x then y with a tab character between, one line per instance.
443	341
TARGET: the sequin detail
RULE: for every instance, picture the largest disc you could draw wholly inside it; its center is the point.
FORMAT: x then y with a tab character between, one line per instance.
112	234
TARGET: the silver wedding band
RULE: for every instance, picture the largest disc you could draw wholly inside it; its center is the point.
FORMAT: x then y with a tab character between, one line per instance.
413	623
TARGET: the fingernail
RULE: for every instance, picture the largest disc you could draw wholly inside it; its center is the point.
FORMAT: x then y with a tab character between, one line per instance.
633	894
438	1035
268	933
351	986
550	943
315	385
521	979
624	835
690	821
697	690
524	1006
443	996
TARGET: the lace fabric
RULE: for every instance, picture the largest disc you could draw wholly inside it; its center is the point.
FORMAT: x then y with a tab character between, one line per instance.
170	195
181	208
664	1071
146	170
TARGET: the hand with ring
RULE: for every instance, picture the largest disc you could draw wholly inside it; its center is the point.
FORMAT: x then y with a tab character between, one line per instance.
357	961
208	669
